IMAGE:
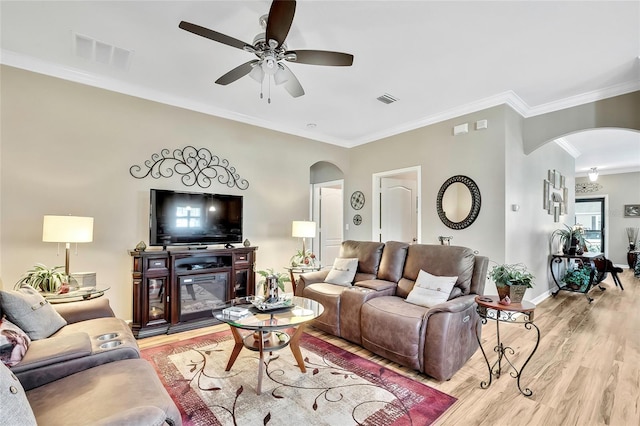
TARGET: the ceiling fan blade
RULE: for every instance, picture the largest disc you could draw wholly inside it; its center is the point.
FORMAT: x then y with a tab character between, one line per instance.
321	57
213	35
280	19
236	73
292	85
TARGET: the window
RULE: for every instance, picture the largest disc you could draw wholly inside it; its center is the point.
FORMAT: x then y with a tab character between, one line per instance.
188	217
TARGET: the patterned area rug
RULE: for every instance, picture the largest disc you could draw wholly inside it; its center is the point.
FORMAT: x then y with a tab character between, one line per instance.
339	388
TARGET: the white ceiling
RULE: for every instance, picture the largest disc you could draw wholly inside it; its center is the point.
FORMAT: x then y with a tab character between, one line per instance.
440	59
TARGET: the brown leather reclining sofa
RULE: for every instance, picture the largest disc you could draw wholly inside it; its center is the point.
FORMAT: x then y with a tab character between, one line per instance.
89	372
373	312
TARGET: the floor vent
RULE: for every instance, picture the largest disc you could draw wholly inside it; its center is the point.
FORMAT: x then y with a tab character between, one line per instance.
103	53
387	99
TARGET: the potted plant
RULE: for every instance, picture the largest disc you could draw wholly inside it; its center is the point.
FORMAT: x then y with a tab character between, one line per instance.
281	277
572	238
512	281
577	278
42	278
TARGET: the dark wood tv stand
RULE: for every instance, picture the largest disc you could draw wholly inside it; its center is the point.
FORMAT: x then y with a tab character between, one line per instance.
178	289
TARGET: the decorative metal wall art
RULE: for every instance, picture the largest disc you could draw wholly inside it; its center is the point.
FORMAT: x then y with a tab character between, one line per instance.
587	187
555	195
195	165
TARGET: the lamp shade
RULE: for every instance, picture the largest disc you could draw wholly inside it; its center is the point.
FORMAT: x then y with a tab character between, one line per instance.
593	174
303	229
67	229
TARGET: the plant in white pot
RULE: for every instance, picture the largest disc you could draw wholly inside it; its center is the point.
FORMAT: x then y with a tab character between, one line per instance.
511	281
45	279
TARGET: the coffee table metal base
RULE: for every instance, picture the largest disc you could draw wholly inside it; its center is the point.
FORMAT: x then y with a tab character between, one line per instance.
270	342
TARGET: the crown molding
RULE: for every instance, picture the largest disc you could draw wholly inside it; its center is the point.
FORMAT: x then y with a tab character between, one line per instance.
509	98
568	146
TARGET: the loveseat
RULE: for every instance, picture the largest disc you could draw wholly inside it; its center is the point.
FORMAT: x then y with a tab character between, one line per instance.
81	366
435	336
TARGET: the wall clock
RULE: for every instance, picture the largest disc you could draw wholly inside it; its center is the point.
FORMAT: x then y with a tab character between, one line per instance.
357	220
357	200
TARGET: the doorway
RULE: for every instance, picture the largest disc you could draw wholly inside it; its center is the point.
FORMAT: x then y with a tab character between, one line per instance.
590	213
327	213
397	209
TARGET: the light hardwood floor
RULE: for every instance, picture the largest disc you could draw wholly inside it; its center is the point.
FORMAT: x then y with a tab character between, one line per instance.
586	370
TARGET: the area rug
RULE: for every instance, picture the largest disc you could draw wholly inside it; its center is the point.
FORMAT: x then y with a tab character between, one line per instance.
339	388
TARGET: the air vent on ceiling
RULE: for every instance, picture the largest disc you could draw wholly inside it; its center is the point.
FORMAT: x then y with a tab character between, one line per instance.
387	99
98	51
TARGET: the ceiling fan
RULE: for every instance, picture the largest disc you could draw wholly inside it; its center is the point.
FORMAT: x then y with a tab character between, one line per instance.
271	50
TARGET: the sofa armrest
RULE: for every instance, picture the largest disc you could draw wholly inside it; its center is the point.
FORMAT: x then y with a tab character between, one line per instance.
450	336
309	278
459	304
84	310
54	350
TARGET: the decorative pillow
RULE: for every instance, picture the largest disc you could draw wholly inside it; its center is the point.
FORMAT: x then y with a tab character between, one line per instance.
343	271
27	309
15	406
13	343
430	290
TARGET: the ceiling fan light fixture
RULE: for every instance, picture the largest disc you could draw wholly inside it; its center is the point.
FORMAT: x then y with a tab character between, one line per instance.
280	76
257	73
593	174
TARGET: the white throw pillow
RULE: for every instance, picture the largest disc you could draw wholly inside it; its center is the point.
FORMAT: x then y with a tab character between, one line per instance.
430	290
343	271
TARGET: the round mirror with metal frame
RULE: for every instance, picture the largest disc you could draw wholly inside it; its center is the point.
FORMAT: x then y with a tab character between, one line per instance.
467	211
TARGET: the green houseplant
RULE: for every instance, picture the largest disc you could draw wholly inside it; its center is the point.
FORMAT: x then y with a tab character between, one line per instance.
42	278
511	280
577	278
282	278
571	238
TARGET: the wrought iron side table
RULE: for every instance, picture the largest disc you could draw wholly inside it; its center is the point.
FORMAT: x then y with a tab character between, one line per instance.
517	313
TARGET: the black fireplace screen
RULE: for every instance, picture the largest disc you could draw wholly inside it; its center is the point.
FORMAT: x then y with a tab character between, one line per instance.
202	294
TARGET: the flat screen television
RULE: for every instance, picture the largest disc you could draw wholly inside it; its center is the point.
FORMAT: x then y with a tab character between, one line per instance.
187	218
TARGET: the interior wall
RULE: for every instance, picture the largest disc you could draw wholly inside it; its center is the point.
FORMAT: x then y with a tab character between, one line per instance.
621	188
67	149
528	229
479	154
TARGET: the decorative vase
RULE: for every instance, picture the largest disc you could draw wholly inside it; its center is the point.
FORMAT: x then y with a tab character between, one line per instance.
516	293
503	291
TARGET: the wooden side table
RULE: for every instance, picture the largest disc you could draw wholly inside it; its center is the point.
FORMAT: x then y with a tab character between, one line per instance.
516	313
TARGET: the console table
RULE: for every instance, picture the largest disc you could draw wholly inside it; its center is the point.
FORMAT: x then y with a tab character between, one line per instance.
489	308
587	258
177	289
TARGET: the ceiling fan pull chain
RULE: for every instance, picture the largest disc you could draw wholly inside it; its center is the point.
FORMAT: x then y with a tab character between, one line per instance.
269	99
261	95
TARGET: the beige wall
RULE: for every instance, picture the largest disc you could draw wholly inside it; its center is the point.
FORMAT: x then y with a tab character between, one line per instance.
67	149
620	189
528	229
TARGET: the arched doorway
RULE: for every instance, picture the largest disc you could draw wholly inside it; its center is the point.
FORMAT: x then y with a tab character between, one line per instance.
327	201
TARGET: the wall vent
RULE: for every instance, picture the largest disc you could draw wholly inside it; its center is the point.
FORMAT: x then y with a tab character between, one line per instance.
387	99
93	50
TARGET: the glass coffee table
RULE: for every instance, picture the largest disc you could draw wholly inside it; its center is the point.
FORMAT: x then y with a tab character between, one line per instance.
267	323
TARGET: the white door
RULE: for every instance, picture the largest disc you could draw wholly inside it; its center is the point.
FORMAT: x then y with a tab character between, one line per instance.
328	212
398	210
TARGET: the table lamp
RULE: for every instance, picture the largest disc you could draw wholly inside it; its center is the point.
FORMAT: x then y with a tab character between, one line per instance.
303	229
67	229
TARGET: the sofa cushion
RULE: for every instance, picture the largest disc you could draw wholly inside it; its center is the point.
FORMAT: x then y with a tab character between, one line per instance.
30	311
91	396
55	350
368	253
392	262
13	343
15	407
438	260
430	290
343	272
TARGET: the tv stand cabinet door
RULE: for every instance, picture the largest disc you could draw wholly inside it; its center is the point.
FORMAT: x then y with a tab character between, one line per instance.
243	279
